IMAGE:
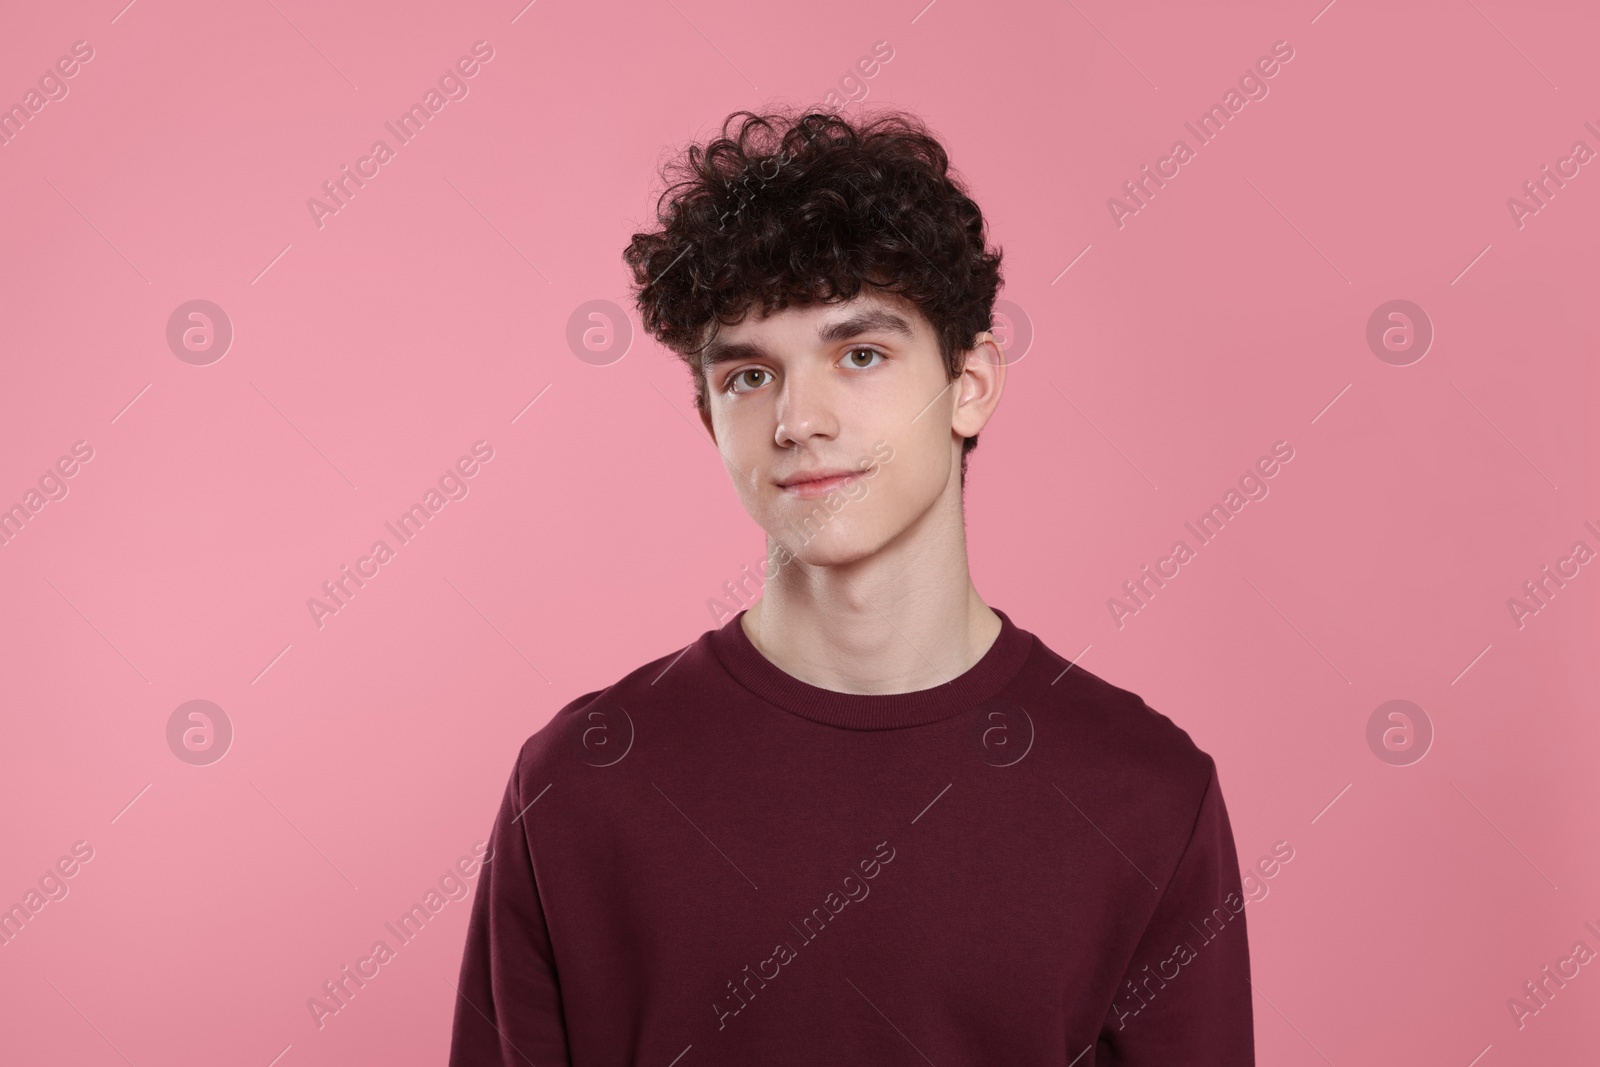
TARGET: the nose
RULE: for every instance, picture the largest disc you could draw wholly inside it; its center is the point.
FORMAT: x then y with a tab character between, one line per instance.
805	408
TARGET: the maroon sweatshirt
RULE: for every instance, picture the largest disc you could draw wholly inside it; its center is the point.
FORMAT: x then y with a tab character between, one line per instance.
713	862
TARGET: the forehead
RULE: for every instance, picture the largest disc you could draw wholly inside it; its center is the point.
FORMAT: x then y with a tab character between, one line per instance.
820	324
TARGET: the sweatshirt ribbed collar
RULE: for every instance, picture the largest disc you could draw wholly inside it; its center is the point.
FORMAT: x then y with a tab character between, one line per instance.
871	711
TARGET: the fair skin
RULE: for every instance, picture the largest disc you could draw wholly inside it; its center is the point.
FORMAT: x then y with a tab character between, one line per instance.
877	597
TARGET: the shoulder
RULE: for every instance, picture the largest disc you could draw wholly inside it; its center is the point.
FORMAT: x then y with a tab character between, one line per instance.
598	728
1108	739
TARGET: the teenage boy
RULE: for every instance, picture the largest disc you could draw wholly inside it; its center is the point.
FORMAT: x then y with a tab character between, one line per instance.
867	819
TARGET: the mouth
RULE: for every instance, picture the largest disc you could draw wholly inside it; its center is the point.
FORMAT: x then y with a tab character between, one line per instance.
809	484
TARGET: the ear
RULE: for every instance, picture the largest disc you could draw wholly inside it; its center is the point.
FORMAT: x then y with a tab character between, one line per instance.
705	418
978	389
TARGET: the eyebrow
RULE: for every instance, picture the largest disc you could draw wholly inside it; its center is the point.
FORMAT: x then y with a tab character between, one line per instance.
879	320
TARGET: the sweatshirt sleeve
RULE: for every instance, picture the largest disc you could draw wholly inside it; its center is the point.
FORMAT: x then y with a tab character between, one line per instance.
508	1003
1186	995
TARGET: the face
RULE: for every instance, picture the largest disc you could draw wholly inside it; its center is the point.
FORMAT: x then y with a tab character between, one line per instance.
838	423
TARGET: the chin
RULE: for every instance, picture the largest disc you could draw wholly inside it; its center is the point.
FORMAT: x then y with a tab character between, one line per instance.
836	555
832	546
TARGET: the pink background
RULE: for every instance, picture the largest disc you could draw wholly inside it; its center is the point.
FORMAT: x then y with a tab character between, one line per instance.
370	353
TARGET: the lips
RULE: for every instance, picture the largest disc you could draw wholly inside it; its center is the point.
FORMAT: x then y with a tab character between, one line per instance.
817	475
819	482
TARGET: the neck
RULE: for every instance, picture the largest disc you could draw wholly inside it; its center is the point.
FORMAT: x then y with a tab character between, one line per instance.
903	619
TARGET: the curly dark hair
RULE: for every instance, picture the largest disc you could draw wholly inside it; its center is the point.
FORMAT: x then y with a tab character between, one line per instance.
800	208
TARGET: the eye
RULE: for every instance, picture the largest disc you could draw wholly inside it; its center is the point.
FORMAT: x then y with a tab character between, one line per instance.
850	357
742	378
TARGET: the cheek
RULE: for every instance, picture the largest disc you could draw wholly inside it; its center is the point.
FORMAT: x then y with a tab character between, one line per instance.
745	447
756	493
905	487
922	458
